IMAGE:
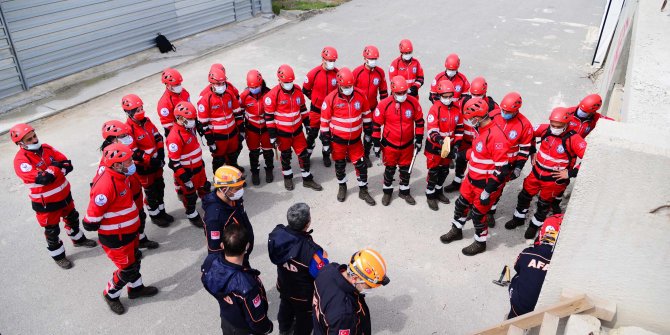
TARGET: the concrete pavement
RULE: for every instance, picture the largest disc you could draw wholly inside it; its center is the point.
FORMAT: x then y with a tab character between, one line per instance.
540	49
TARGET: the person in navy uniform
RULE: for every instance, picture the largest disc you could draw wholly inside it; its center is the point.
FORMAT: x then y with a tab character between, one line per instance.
238	289
531	267
299	260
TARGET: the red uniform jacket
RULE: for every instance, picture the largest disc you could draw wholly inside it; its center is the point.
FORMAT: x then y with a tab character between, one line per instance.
584	127
284	112
401	122
460	81
443	121
166	105
345	117
519	132
112	205
557	153
488	162
254	110
319	82
31	166
371	81
183	150
411	71
148	142
220	114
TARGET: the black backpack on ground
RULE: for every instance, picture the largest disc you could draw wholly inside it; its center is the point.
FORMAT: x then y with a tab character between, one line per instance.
164	44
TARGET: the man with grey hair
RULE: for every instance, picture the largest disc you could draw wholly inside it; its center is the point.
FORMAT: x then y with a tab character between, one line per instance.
299	260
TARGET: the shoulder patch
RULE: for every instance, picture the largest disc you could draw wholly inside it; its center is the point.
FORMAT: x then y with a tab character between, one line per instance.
431	118
377	112
391	68
215	235
201	107
165	111
25	167
257	300
268	101
324	105
101	169
100	199
582	145
173	147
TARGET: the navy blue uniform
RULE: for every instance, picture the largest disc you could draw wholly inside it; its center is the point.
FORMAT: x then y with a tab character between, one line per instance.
531	267
218	215
240	294
338	306
299	260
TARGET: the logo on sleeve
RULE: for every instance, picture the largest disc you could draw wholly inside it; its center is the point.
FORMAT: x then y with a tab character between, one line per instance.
306	80
434	83
257	300
173	147
100	199
560	149
408	113
101	170
479	147
431	118
268	101
25	167
344	332
324	106
201	107
391	69
215	235
375	81
377	112
165	111
512	134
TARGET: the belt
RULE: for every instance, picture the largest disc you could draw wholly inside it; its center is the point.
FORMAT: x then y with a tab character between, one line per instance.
282	133
478	183
40	207
222	137
255	129
386	143
340	140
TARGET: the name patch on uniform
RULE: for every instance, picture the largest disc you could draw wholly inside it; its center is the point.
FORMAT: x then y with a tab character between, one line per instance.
257	300
165	111
479	147
173	147
431	118
283	102
512	134
139	138
408	113
268	101
214	107
123	192
100	199
215	235
25	167
250	104
340	105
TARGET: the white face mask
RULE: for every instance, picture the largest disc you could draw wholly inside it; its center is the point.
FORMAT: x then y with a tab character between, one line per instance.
582	114
330	65
176	89
127	140
287	86
219	89
478	96
400	98
451	73
34	146
556	131
446	101
237	195
189	124
407	57
371	62
347	90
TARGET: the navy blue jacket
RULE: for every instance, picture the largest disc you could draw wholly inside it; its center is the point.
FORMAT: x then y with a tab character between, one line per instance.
218	215
240	294
531	267
299	260
338	306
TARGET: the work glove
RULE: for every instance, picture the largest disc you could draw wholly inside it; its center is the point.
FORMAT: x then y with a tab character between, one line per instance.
376	145
156	162
212	147
273	142
485	198
88	226
516	173
367	138
418	143
413	90
189	185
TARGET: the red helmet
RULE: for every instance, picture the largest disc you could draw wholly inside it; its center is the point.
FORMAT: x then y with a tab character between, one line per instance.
399	84
452	62
591	103
114	128
475	107
216	75
445	86
130	102
218	66
406	46
254	78
285	74
185	109
479	86
345	78
550	229
171	77
560	114
329	54
511	102
371	52
19	131
116	153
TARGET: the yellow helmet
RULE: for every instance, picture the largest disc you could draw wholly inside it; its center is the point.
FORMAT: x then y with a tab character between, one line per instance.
228	176
370	266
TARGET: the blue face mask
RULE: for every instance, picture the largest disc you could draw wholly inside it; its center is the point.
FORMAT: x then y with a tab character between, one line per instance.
582	114
255	90
130	170
506	116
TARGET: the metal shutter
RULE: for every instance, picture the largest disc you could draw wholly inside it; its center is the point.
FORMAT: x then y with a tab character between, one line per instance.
10	77
242	10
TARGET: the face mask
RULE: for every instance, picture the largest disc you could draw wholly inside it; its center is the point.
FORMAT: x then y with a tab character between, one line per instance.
473	124
506	116
287	86
189	124
400	98
130	170
446	101
237	195
407	57
347	91
219	89
451	73
557	131
34	146
139	116
330	65
371	62
176	89
478	96
582	114
255	90
127	140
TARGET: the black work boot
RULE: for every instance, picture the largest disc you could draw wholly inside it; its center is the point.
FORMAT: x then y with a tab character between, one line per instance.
475	248
64	263
453	187
142	291
326	159
255	177
531	231
515	222
312	184
268	175
363	194
432	201
159	220
85	242
386	199
491	220
146	243
288	184
408	198
441	197
115	305
454	234
197	221
167	217
342	192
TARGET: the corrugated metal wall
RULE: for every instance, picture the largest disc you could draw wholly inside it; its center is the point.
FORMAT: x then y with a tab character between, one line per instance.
53	39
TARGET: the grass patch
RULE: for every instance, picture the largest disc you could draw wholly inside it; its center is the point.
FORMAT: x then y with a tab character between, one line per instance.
278	5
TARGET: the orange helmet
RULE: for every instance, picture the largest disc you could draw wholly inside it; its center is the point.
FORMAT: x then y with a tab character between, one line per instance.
116	153
130	102
445	86
254	78
406	46
475	107
285	74
329	54
370	266
399	84
591	103
511	102
114	128
171	77
452	62
344	77
185	109
216	74
479	86
19	131
228	176
371	52
560	114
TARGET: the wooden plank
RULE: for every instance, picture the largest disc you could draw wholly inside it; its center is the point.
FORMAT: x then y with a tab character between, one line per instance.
533	319
549	324
514	330
604	309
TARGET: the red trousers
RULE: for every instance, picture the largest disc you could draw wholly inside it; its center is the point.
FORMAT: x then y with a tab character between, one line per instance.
298	143
53	218
399	157
433	161
314	119
199	179
148	179
354	151
258	140
471	194
226	147
547	190
124	256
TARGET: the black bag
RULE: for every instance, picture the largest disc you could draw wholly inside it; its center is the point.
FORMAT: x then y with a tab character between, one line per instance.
164	44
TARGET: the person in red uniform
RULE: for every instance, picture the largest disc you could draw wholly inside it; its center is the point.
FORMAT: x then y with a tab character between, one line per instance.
345	115
319	82
43	169
285	115
370	79
402	119
258	139
174	93
488	166
445	123
519	132
451	73
149	157
229	85
222	120
113	212
554	163
408	67
478	89
115	131
185	159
